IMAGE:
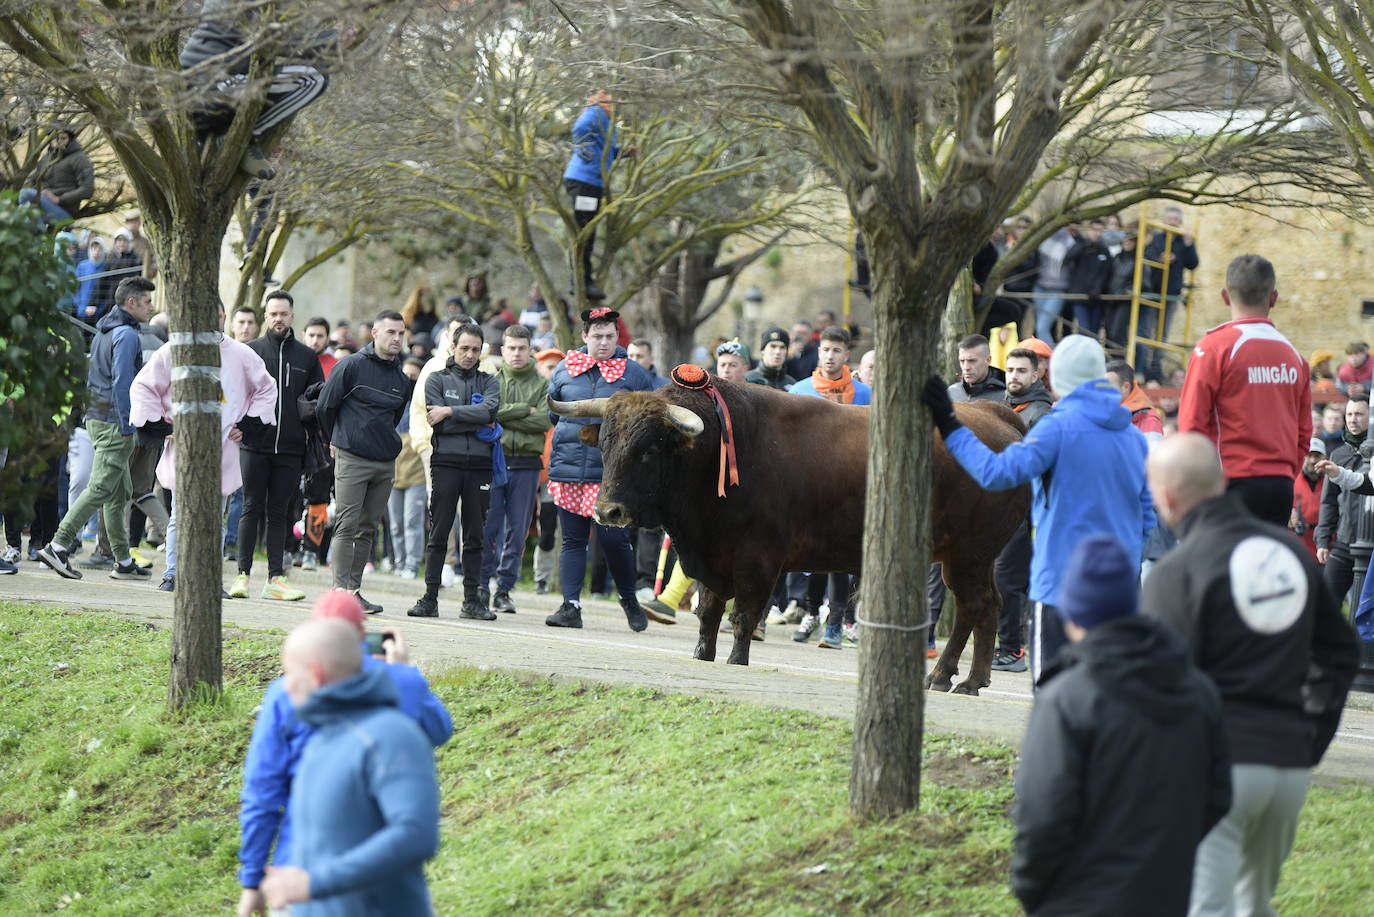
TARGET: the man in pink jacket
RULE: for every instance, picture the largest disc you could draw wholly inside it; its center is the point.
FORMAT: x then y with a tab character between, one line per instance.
246	389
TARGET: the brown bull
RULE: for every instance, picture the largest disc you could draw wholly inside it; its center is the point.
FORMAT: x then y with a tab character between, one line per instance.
799	505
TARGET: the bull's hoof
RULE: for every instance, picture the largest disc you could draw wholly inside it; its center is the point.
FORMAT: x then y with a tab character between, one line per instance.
704	654
738	657
942	685
965	687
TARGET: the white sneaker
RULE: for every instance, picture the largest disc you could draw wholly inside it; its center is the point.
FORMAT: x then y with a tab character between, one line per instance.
775	615
407	573
793	613
447	577
644	594
310	561
387	566
12	555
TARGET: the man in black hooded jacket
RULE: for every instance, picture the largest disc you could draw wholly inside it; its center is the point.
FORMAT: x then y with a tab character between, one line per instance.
1249	601
1124	767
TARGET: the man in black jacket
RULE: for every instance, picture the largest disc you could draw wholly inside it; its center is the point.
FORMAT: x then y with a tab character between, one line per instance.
1028	397
1339	507
272	456
1251	604
68	179
1124	766
772	368
358	410
1089	263
459	402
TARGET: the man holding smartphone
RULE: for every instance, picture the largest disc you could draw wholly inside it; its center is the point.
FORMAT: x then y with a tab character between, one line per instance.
279	738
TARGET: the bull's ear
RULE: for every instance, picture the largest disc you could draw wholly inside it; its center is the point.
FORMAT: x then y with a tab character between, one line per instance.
590	434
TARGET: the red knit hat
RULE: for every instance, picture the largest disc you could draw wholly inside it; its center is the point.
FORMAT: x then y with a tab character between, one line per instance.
339	603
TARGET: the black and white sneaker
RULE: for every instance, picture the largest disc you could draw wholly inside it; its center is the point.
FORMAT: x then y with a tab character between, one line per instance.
371	608
130	569
1004	661
7	568
59	560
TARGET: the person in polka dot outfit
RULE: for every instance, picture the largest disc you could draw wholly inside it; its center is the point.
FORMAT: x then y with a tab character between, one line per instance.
598	369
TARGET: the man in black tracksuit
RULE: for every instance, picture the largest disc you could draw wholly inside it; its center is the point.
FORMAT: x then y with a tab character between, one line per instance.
1028	397
1339	507
1124	766
460	401
359	408
271	456
1252	606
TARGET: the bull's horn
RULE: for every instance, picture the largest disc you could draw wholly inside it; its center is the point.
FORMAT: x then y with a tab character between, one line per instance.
591	407
686	421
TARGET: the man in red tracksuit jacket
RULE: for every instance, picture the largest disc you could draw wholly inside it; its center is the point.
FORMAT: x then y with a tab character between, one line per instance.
1249	391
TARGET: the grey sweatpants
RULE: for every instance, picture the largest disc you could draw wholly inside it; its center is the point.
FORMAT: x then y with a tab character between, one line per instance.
1238	862
362	488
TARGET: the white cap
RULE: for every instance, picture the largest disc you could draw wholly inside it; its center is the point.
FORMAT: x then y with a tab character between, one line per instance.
1317	446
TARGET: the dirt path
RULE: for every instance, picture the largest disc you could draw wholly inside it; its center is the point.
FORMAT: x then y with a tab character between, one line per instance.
782	673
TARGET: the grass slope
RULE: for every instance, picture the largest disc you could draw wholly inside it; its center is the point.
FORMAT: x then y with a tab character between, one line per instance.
558	798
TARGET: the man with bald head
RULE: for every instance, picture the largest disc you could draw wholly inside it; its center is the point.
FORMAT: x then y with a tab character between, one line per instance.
365	806
1252	605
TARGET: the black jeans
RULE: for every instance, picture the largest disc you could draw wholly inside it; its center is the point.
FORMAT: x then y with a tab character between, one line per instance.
580	189
1012	572
44	523
269	484
1270	498
449	487
1339	571
841	588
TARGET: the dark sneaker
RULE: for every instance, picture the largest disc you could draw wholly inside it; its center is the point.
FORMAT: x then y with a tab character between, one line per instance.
541	587
7	568
659	611
474	609
1004	661
634	614
256	165
371	608
97	561
59	560
130	570
168	584
426	607
501	602
806	628
759	630
569	614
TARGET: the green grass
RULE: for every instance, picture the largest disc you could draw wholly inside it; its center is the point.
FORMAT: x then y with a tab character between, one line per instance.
559	798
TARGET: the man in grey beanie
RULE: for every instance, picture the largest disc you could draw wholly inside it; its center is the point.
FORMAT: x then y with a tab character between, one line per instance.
1086	464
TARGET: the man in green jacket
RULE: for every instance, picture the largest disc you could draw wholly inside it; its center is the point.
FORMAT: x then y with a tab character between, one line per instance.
524	416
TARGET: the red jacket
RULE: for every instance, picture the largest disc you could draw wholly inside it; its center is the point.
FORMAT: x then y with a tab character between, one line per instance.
1307	503
1143	415
1250	392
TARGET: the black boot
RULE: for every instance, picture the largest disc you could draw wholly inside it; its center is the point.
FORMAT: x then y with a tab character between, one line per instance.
474	609
426	607
634	614
569	614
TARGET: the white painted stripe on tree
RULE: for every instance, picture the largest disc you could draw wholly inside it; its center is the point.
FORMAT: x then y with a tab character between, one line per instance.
191	338
194	407
195	372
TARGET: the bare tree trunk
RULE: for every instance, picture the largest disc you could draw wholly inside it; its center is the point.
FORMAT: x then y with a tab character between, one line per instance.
191	274
886	775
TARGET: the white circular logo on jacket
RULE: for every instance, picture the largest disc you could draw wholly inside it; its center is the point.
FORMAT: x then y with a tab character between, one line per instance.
1268	584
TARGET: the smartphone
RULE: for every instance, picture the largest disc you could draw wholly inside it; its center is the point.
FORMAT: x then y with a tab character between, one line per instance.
374	644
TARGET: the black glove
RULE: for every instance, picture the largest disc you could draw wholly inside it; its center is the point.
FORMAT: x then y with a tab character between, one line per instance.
936	397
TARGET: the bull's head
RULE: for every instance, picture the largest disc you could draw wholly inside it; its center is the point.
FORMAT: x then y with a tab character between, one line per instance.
639	435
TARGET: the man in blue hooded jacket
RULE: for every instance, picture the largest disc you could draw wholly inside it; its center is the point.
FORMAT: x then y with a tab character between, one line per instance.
595	149
279	739
366	806
1086	464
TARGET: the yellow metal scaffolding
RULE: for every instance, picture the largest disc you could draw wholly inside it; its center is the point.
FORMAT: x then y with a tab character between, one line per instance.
1156	300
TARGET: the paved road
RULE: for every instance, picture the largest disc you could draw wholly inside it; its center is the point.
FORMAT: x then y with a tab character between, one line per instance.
782	673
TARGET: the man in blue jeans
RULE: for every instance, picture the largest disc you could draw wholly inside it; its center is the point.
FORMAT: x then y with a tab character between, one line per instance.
68	179
524	417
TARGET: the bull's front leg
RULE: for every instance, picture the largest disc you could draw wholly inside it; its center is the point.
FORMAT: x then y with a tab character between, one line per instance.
709	609
749	610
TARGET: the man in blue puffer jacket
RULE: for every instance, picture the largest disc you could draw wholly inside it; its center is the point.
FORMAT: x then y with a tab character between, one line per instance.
595	150
597	370
1086	464
366	806
279	738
